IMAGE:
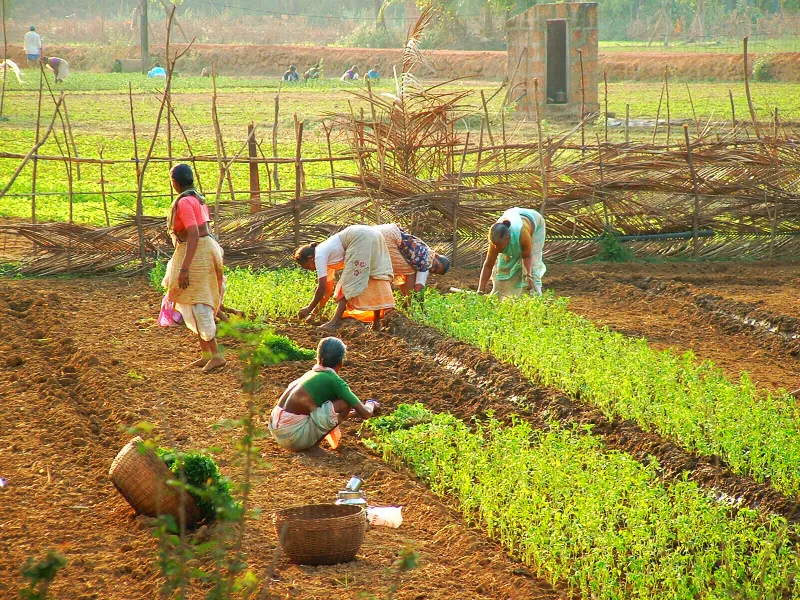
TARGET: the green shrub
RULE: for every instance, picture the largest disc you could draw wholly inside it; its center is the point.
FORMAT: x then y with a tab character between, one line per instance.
763	68
370	36
611	249
157	275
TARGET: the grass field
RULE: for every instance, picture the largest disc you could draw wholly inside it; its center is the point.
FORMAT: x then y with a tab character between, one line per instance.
99	109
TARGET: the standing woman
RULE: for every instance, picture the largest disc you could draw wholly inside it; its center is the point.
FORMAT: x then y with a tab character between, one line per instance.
365	283
412	259
514	259
194	273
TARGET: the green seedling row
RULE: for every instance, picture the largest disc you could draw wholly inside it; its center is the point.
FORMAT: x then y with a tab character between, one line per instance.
595	520
757	433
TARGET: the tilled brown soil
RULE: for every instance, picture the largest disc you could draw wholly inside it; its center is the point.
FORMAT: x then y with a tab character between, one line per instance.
82	360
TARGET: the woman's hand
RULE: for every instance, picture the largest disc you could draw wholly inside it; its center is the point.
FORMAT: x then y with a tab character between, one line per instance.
311	318
304	313
529	282
183	278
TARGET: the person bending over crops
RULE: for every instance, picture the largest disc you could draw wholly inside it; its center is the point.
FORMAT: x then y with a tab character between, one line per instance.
58	66
412	259
365	284
312	407
514	259
194	273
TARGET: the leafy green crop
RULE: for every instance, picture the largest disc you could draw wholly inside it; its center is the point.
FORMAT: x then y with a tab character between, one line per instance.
756	433
205	483
286	349
594	519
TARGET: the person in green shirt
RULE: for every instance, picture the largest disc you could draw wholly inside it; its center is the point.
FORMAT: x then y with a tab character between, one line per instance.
313	406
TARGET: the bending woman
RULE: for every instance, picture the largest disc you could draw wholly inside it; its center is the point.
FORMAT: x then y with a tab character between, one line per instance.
313	406
514	259
365	283
412	259
194	273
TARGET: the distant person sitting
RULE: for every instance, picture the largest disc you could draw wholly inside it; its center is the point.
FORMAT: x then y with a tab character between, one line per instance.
206	72
33	45
58	66
291	74
312	73
157	71
374	73
351	74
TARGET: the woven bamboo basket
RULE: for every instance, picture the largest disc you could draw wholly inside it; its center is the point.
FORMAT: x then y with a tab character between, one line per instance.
321	534
141	478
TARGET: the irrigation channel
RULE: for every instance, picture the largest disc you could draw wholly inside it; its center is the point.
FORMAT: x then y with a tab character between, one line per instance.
82	359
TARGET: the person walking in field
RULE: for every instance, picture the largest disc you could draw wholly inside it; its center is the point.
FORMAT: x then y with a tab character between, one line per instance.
514	259
58	66
194	273
311	408
412	259
365	283
33	46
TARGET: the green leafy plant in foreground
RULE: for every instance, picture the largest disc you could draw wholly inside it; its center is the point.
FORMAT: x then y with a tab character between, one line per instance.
40	574
756	433
594	519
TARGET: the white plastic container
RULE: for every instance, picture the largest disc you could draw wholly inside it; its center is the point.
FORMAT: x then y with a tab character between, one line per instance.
385	516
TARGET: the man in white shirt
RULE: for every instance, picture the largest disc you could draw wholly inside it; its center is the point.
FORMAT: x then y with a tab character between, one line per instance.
33	45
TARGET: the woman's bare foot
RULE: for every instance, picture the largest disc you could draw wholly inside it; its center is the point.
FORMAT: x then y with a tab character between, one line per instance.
331	325
217	362
200	362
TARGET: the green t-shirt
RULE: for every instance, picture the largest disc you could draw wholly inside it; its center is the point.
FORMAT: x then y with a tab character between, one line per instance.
324	386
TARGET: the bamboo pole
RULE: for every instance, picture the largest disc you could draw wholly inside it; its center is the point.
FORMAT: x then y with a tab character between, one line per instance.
139	208
457	202
602	183
220	143
36	141
486	115
747	92
505	149
627	123
191	157
330	150
777	125
275	140
480	154
71	140
103	189
299	162
541	154
297	187
255	185
694	114
666	88
696	191
5	57
658	113
605	91
733	112
583	106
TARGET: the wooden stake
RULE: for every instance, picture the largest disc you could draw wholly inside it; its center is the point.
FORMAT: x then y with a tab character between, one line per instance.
658	113
747	92
583	108
605	86
71	140
302	170
666	88
275	141
221	155
5	57
733	112
486	115
696	190
694	114
456	203
36	141
139	209
255	185
505	149
103	188
480	155
330	151
298	168
777	125
602	183
542	169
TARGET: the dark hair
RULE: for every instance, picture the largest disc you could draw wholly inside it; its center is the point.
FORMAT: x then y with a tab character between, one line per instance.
292	68
331	352
445	262
303	253
183	175
33	28
499	231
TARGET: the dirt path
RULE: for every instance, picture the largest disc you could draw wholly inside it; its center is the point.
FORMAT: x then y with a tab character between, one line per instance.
82	359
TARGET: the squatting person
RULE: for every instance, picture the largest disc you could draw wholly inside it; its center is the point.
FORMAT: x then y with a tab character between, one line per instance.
194	273
514	259
312	407
365	284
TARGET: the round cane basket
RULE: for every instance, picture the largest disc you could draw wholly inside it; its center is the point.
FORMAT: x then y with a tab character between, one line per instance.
141	477
321	534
